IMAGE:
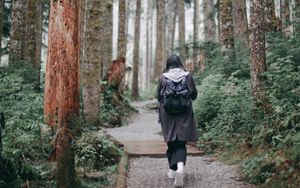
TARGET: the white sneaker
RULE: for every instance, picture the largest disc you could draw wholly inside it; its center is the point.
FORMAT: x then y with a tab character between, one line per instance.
171	174
179	175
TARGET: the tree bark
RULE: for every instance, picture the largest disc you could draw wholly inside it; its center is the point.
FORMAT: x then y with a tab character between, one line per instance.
61	80
148	45
136	48
33	37
257	47
62	86
270	17
226	27
122	29
181	16
1	26
171	19
90	71
106	34
240	23
17	33
196	31
210	34
297	17
159	40
285	15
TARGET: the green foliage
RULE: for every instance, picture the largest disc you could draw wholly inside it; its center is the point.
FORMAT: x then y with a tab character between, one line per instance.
227	117
96	151
23	109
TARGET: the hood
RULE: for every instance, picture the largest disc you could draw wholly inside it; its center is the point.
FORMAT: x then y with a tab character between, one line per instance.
176	74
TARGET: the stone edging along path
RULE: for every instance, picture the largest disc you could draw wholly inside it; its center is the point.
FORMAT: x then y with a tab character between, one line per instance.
144	163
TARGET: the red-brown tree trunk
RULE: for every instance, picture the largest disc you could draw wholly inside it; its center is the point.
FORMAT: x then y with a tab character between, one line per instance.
62	86
257	47
61	79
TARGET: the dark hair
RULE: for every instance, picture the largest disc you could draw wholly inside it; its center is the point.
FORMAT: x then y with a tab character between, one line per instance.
174	61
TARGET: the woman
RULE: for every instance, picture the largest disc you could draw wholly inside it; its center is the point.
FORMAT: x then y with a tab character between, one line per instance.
180	128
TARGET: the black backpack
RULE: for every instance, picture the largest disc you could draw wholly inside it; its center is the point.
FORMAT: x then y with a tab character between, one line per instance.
176	99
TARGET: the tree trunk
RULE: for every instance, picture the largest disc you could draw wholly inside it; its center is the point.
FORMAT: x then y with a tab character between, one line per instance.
181	16
240	24
196	31
136	56
33	37
159	40
61	79
150	70
148	45
1	26
17	33
122	29
92	63
106	34
62	86
171	19
270	17
226	27
257	47
297	17
285	15
210	34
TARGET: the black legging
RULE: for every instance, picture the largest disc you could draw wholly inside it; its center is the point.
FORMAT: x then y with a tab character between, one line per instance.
176	153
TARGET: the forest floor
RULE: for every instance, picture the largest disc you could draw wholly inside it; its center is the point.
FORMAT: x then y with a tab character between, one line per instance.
148	165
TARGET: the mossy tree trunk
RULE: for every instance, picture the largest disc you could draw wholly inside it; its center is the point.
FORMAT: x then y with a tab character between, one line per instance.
210	34
226	29
297	17
136	48
106	35
285	15
91	65
1	25
257	46
158	68
270	17
33	35
122	29
240	24
181	18
17	33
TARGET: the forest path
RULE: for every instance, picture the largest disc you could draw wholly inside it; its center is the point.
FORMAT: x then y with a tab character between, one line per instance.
148	164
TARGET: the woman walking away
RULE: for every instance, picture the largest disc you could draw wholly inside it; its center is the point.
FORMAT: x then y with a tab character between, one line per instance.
175	90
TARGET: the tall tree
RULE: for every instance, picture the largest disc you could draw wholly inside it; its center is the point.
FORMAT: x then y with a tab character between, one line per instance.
33	37
240	23
1	25
148	44
17	33
257	47
210	34
285	14
270	17
297	17
106	34
62	86
171	22
226	29
136	48
90	69
159	40
181	17
122	29
196	28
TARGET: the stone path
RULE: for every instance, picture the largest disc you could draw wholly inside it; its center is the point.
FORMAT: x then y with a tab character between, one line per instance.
148	165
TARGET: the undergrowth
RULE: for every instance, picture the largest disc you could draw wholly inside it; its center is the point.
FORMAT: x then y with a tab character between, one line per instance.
26	140
266	145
